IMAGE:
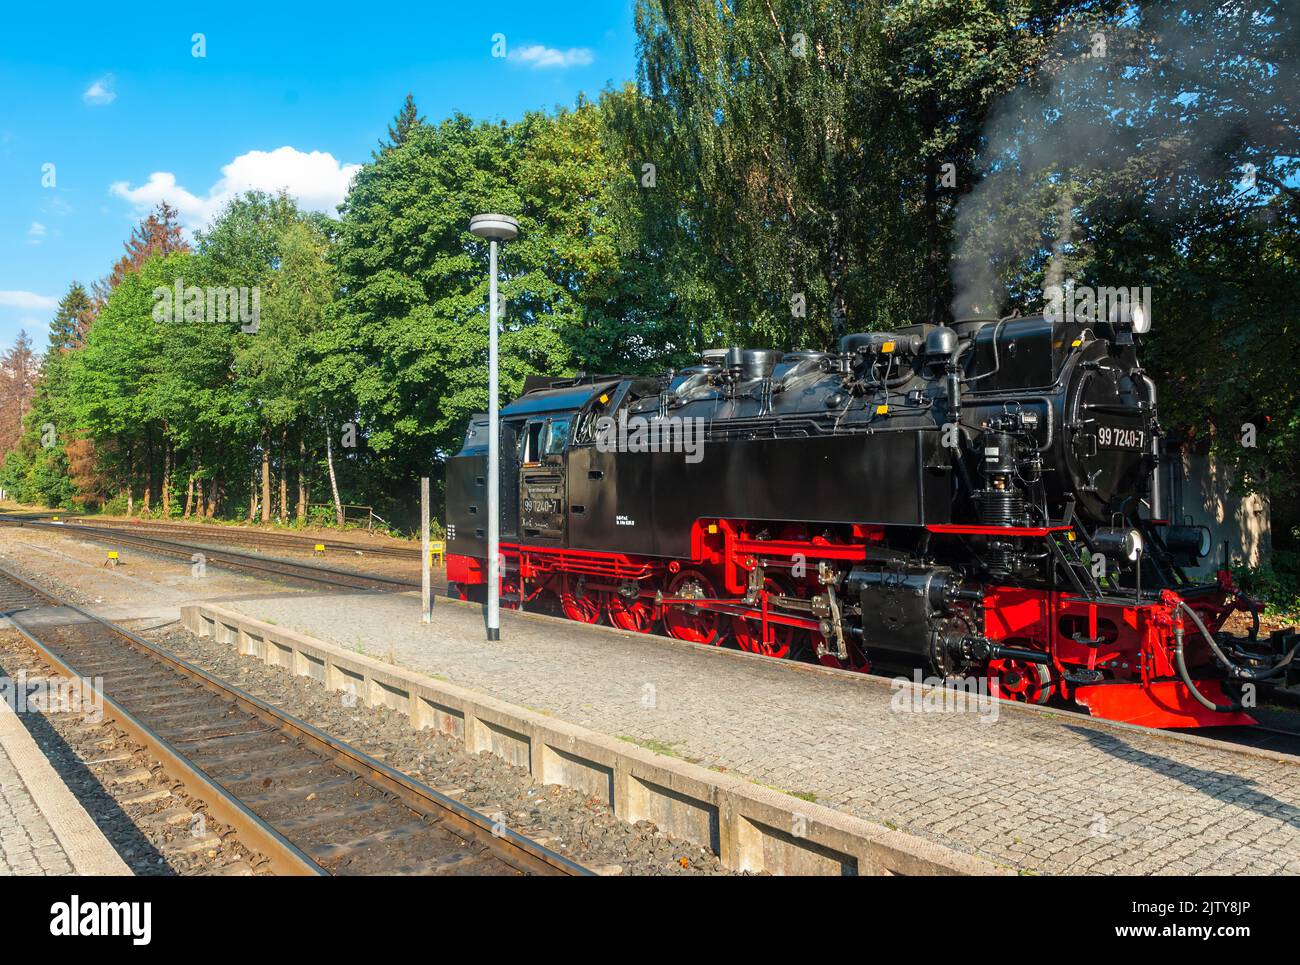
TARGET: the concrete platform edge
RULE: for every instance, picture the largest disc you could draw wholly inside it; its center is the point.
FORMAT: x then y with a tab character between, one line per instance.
751	827
88	851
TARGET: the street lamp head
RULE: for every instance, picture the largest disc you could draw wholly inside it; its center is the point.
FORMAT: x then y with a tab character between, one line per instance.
497	227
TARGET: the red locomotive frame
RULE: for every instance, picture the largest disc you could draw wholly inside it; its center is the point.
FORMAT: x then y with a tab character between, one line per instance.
1114	655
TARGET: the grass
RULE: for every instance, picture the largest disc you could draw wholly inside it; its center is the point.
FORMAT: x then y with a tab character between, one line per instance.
657	746
808	796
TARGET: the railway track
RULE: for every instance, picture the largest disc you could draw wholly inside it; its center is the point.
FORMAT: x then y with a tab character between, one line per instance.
233	559
310	803
252	537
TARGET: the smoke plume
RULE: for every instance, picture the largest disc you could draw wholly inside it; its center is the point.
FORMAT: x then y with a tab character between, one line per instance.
1178	108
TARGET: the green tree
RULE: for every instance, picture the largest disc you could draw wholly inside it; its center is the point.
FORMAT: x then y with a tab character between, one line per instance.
241	249
801	149
407	118
408	341
280	365
71	321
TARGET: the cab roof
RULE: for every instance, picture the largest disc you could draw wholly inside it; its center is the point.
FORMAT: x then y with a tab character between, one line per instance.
564	399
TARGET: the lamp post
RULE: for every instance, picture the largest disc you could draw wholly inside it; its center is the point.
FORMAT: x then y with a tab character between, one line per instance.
494	227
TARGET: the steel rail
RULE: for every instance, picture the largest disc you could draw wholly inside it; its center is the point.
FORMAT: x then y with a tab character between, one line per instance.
248	536
232	558
517	851
283	857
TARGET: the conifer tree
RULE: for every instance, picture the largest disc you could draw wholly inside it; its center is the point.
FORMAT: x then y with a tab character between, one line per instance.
407	118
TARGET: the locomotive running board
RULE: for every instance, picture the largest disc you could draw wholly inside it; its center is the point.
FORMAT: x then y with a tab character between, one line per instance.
1162	703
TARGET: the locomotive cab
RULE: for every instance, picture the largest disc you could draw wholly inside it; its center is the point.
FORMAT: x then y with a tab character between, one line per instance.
536	435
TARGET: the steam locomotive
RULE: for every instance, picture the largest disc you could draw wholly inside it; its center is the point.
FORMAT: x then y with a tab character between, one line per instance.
982	500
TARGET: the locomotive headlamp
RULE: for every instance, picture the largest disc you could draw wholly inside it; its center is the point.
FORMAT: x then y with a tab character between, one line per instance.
1189	542
1123	543
1131	314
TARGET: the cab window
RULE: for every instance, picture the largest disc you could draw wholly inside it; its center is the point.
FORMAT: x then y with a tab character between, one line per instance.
555	437
530	442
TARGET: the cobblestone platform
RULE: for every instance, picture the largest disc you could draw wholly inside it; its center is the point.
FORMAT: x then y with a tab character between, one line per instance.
1044	793
44	830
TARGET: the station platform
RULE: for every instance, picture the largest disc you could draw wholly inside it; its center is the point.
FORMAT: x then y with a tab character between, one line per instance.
44	830
1023	790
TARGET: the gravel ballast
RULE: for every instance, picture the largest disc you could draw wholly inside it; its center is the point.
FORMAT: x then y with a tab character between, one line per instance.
582	828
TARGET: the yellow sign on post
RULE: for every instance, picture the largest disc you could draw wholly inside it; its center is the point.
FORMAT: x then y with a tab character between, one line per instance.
438	549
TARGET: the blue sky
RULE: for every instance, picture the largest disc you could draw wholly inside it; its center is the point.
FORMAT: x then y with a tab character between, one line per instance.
114	98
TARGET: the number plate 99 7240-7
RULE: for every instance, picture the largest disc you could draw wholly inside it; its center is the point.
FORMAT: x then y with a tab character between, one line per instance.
1116	437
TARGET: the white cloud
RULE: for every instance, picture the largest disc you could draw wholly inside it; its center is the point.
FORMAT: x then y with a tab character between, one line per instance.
539	57
315	179
36	233
28	300
101	91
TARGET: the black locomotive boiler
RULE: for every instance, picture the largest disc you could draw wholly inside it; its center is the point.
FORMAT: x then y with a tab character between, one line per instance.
979	499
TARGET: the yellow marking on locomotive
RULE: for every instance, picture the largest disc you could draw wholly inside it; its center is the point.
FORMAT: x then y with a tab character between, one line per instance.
604	398
713	528
882	409
887	346
1076	343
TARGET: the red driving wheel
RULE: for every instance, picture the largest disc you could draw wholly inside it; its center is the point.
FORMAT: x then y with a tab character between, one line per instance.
637	614
580	603
749	633
1029	683
509	594
686	622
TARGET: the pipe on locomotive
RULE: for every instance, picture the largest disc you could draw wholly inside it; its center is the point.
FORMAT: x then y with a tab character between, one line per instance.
1244	673
1156	498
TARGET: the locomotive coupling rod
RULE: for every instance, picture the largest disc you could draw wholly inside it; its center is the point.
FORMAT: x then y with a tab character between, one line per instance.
984	648
1028	656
